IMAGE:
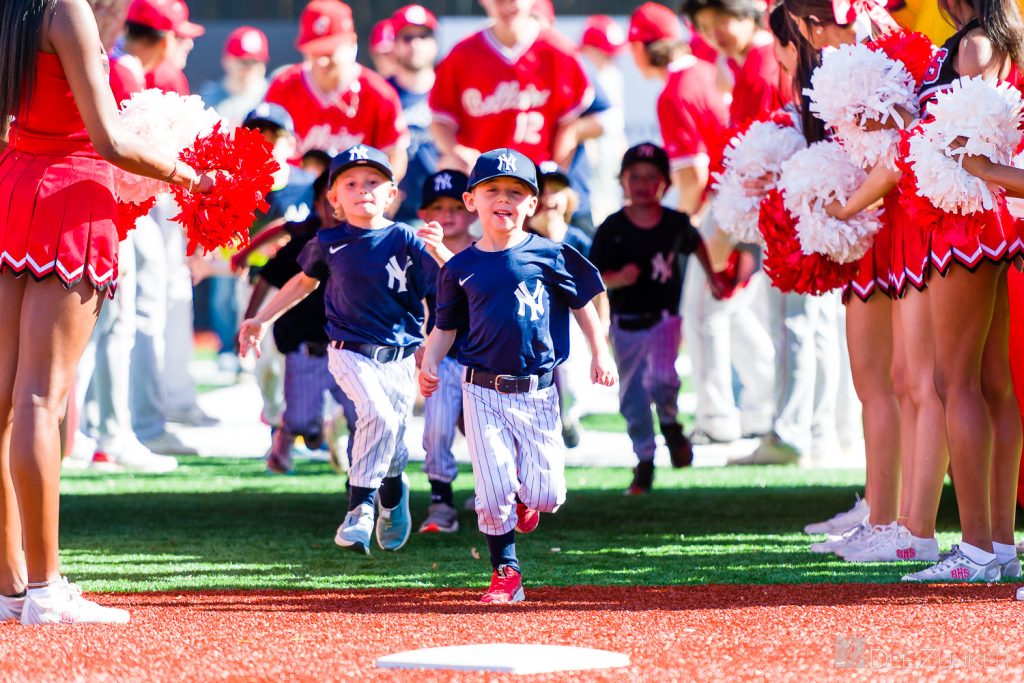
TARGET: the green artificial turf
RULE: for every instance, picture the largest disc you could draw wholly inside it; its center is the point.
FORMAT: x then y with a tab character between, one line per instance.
222	523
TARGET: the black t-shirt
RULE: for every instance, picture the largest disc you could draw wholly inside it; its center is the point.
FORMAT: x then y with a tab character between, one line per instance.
306	322
656	251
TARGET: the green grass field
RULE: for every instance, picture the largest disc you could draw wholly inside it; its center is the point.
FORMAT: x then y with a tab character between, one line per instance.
221	523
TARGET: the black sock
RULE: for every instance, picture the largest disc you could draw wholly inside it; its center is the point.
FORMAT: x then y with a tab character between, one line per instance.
391	492
357	495
503	550
17	595
441	492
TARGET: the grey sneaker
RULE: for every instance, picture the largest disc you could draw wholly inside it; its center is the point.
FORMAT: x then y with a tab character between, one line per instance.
441	519
394	524
855	535
957	567
771	451
1011	569
354	532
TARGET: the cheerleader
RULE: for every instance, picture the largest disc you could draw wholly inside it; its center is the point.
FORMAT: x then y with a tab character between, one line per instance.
57	225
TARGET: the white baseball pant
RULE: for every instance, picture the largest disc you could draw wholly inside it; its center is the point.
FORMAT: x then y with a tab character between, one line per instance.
440	419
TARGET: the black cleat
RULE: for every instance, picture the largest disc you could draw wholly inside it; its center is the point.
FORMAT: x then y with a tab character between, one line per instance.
680	450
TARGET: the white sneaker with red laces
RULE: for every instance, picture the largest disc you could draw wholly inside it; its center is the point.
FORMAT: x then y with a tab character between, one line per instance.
65	605
506	587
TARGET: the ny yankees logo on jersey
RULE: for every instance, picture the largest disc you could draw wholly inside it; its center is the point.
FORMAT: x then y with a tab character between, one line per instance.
358	152
507	163
534	301
661	268
398	275
442	182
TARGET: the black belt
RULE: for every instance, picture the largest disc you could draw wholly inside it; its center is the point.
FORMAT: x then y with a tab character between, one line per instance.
642	321
314	349
381	354
509	384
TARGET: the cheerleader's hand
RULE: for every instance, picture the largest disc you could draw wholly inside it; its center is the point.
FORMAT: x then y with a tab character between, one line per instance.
250	334
758	187
975	164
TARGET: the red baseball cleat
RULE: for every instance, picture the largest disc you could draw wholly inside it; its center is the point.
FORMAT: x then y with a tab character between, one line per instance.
528	518
506	587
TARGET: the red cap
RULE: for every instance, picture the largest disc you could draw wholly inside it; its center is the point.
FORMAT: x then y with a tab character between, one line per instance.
651	21
601	31
247	42
156	14
544	10
413	15
182	26
382	37
323	26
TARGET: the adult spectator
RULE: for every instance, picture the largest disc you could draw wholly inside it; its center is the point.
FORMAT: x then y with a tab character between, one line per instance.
382	48
169	75
244	60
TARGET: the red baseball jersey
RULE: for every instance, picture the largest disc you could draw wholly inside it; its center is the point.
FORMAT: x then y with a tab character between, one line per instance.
758	86
366	112
126	76
693	114
495	97
169	78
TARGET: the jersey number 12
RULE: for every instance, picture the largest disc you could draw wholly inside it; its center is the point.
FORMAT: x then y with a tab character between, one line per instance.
529	125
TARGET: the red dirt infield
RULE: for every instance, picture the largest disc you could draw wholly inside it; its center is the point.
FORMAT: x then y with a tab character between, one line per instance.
778	632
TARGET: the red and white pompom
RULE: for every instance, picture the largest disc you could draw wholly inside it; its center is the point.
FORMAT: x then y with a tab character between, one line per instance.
854	84
819	175
987	116
752	155
167	122
246	166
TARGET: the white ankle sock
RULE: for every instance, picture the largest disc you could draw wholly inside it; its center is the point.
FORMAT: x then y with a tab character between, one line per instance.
1005	552
976	554
45	593
924	541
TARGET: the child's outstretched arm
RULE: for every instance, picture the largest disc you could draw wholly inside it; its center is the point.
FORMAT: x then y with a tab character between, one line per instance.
252	330
438	343
602	367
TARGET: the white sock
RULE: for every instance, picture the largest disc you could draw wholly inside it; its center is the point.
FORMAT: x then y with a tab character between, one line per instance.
976	554
44	593
924	541
1005	552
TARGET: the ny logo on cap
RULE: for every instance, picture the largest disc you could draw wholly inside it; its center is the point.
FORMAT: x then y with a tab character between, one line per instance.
534	301
358	152
442	181
507	163
646	151
322	25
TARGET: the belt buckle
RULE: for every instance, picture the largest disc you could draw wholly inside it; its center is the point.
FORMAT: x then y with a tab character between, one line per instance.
390	353
502	378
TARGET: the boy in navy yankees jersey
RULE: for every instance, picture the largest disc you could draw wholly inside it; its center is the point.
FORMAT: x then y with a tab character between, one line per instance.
515	290
376	276
637	251
442	203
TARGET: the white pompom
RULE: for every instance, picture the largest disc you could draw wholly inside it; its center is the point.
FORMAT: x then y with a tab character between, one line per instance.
984	113
817	176
854	84
755	154
167	122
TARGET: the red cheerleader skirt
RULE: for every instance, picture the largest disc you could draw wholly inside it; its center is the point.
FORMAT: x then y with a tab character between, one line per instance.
910	248
57	212
874	268
994	236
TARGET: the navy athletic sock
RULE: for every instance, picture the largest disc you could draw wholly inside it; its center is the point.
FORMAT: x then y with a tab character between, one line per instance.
391	492
441	492
503	550
357	495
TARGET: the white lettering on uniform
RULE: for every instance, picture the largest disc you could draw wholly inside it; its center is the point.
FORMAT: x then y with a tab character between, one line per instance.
534	301
507	96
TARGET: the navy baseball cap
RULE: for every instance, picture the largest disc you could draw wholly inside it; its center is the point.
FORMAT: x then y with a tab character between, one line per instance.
504	163
550	171
361	155
446	183
270	114
647	153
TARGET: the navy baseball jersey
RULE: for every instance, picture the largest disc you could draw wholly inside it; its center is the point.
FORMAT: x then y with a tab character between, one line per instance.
655	251
376	281
516	302
460	336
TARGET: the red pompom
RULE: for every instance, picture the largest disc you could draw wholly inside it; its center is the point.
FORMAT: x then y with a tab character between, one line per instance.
787	266
128	213
223	217
914	49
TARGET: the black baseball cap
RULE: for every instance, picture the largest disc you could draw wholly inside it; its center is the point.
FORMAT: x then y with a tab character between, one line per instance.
549	171
504	163
270	114
361	155
647	153
444	183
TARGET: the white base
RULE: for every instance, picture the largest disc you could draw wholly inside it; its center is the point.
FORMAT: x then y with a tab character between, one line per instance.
505	658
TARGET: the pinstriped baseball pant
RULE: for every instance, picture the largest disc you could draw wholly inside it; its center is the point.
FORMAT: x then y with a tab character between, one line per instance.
383	395
515	443
440	417
647	374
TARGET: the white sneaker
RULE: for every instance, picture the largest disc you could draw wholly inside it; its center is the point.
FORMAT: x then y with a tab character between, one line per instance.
81	453
354	532
167	443
134	457
11	608
957	567
859	542
856	534
1011	569
67	606
895	543
771	451
841	522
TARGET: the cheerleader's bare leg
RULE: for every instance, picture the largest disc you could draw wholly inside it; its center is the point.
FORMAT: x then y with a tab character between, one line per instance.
997	386
56	324
930	456
12	561
908	412
869	337
963	304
